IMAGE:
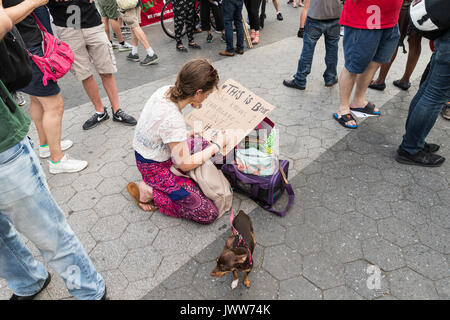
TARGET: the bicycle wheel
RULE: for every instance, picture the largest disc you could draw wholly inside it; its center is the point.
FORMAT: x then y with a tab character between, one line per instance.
168	25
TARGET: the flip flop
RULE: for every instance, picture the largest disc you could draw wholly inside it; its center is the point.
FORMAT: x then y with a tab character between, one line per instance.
133	190
344	119
368	109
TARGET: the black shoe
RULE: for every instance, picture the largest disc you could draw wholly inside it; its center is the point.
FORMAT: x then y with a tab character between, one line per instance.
292	84
279	16
431	147
133	57
377	86
421	158
301	32
16	297
402	85
104	296
96	118
126	119
209	38
150	60
331	83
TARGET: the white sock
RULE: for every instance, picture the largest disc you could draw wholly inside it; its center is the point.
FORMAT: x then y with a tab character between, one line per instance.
134	50
150	51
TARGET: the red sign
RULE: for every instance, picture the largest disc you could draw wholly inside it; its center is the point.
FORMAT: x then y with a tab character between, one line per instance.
151	11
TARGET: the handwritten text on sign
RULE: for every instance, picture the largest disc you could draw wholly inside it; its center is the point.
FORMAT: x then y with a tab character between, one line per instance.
233	108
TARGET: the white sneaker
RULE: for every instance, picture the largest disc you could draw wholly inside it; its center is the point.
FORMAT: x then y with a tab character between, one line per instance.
66	165
124	47
45	152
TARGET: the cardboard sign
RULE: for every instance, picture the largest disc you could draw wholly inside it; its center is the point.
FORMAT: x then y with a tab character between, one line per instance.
233	108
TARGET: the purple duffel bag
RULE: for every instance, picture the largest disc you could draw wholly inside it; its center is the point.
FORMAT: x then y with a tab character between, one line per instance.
265	191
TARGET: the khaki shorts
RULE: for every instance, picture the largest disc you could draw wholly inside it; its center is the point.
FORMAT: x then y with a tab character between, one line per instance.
90	47
132	17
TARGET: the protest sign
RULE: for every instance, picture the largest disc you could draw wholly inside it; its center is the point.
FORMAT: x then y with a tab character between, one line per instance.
233	108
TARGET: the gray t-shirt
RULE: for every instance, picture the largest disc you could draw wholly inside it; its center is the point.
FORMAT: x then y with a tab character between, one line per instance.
325	9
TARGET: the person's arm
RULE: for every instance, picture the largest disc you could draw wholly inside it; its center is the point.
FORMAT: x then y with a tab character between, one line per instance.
5	22
186	162
23	9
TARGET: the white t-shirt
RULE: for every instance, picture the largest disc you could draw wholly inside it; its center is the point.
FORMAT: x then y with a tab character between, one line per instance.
160	123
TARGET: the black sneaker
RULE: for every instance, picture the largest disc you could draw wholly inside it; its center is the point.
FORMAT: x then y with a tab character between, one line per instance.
421	158
126	119
96	118
279	16
292	84
16	297
209	38
133	57
150	60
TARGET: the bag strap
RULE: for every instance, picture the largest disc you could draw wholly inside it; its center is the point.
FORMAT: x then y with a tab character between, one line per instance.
41	26
282	213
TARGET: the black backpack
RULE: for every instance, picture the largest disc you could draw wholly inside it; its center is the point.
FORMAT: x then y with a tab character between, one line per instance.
15	65
430	18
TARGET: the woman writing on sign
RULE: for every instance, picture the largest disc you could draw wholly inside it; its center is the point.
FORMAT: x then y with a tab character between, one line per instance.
161	140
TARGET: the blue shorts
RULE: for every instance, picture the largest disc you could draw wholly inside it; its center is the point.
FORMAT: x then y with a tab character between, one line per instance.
36	87
362	46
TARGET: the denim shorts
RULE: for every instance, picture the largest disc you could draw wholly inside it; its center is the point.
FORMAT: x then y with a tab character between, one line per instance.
362	46
36	87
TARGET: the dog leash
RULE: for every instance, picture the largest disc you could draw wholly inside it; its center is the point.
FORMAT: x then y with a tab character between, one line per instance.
241	239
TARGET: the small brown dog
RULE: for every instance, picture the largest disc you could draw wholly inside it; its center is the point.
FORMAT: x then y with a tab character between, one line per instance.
238	251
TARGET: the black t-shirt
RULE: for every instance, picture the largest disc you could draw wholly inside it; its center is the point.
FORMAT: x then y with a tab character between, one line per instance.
28	27
64	13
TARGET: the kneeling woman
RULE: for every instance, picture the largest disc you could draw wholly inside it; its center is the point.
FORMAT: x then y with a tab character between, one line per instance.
161	140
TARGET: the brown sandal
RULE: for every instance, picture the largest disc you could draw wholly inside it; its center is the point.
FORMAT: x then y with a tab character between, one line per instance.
133	190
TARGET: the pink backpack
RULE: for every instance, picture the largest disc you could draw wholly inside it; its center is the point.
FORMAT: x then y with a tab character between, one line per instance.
58	57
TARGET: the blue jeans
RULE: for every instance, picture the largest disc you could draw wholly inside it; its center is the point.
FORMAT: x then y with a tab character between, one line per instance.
232	12
313	31
27	206
427	103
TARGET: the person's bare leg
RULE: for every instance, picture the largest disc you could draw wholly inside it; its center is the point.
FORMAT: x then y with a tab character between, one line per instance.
384	70
115	26
145	195
53	109
346	84
415	49
109	83
91	88
141	37
105	21
276	4
134	39
362	83
37	113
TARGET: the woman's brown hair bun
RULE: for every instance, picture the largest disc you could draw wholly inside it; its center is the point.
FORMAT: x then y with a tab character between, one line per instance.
194	75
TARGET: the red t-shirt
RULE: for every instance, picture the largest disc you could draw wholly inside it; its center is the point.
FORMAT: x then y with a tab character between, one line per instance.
371	14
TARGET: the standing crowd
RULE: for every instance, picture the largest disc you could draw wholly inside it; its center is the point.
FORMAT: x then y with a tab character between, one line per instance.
162	141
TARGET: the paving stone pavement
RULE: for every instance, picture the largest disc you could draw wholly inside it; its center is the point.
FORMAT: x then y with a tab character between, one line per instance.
332	249
355	206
